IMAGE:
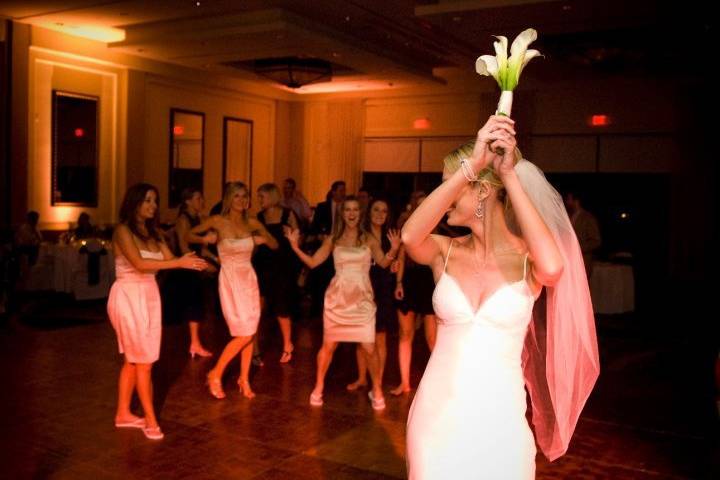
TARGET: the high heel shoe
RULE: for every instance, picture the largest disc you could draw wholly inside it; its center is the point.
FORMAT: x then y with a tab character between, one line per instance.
245	389
377	403
200	352
257	360
316	400
286	356
153	433
215	387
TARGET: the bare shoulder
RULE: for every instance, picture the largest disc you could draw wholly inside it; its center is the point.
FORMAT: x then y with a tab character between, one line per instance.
122	230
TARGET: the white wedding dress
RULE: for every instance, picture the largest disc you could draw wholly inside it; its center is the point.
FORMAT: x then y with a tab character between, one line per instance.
467	420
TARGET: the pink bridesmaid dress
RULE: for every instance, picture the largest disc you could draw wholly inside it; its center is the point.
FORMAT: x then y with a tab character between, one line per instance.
134	310
349	313
238	285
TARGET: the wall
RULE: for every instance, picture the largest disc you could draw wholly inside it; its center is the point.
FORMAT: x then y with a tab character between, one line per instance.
48	71
162	94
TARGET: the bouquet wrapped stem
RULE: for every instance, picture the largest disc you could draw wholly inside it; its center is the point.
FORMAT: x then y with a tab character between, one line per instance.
506	71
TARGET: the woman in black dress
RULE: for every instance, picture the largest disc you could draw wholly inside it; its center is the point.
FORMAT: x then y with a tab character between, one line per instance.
414	291
185	289
382	279
278	270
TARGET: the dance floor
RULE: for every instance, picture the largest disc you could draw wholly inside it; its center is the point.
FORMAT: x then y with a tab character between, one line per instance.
649	417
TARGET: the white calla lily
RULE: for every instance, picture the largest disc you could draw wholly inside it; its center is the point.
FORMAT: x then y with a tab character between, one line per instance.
487	65
506	71
501	57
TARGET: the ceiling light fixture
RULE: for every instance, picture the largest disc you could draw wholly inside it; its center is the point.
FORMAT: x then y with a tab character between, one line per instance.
294	72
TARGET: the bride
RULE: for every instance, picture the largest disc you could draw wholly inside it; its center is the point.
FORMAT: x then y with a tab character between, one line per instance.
468	416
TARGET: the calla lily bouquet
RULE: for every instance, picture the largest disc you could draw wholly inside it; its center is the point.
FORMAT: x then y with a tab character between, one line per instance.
506	71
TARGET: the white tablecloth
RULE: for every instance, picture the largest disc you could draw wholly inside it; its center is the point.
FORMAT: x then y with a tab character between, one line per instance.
612	287
70	272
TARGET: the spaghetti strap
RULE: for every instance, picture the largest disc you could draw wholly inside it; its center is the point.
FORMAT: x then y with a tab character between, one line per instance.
525	266
447	256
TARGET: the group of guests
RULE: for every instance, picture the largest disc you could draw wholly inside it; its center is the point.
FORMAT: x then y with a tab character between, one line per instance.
490	345
258	260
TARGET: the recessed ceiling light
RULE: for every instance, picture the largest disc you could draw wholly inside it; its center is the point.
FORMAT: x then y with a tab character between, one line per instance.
347	19
457	18
197	4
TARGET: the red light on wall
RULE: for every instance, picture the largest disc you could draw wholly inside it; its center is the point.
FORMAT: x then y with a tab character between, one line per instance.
178	130
422	124
599	120
79	132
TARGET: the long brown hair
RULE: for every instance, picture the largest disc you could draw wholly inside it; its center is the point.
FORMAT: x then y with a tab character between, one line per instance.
134	198
339	223
368	220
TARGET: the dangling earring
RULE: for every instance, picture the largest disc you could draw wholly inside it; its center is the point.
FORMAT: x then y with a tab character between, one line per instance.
480	209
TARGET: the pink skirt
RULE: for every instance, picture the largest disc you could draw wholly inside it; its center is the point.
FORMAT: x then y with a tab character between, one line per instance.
136	315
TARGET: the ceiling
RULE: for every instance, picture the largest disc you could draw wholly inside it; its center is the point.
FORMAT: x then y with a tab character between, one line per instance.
377	44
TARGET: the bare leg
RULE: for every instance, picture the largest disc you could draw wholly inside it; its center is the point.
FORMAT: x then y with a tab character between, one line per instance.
373	363
228	353
286	331
126	387
145	392
196	346
362	370
324	357
406	323
430	330
244	380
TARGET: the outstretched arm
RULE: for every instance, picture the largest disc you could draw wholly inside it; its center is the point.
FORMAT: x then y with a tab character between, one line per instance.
320	255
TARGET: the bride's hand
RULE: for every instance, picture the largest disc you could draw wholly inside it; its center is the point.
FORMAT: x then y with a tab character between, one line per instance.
496	128
504	164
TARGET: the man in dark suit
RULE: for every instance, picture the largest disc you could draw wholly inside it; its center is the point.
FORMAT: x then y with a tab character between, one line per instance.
324	217
586	229
322	226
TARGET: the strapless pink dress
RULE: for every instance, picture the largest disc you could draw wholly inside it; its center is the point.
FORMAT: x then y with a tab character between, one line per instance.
135	311
238	285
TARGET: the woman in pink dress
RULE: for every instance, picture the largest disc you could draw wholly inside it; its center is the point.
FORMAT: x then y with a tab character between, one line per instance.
349	311
134	302
237	235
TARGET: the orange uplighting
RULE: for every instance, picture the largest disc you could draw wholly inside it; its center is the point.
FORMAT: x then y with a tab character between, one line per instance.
91	32
79	132
599	120
422	124
178	130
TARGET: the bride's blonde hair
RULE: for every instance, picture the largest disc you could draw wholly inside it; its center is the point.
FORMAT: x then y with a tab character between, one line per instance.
486	175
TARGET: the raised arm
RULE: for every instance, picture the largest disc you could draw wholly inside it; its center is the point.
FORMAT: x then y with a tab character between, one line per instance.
423	247
261	235
185	235
381	258
547	263
209	223
320	255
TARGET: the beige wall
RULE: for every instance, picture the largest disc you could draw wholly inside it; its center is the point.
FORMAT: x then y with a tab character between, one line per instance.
314	139
48	71
162	94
